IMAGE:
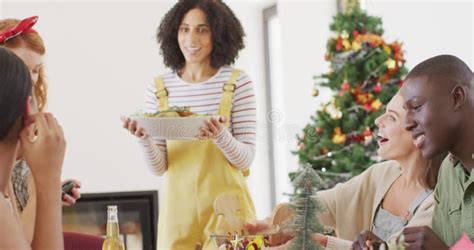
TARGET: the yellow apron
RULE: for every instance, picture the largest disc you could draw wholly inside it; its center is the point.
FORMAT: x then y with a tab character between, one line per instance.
197	173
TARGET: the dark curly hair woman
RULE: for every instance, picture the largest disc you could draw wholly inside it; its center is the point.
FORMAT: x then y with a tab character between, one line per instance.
199	41
225	30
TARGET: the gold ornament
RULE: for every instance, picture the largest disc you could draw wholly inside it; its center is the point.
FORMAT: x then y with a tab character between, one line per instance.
376	105
346	44
373	39
356	46
338	137
391	64
363	98
387	49
315	92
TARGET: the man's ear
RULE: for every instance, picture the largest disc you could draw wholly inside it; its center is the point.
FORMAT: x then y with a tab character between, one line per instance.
458	96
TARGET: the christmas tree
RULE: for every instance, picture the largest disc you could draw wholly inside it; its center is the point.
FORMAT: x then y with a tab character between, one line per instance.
305	210
365	72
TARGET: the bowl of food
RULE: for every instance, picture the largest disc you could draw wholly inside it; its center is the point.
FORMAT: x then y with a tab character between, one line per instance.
177	123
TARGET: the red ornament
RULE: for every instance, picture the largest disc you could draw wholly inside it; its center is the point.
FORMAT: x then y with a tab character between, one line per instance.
339	45
345	86
401	83
355	34
367	135
319	130
377	88
395	47
357	138
368	107
367	132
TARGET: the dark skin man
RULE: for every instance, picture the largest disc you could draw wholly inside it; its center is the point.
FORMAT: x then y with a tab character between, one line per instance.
439	98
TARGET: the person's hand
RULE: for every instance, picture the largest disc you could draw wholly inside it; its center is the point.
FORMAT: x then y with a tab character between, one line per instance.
422	238
212	128
253	227
133	128
279	239
367	240
75	194
321	239
43	146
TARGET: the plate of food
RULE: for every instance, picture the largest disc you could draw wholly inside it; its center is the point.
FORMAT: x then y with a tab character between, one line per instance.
176	123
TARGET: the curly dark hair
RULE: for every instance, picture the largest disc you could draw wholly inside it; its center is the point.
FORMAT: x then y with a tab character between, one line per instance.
227	33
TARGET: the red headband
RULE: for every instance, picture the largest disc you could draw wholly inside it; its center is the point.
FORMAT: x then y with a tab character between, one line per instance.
24	26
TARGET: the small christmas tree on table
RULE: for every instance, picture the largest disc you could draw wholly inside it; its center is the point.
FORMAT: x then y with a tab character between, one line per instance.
305	210
365	72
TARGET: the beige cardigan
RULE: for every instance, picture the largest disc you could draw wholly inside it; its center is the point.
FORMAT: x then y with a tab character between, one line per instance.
351	205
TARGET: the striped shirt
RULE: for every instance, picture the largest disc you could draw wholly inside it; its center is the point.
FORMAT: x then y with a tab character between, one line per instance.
237	143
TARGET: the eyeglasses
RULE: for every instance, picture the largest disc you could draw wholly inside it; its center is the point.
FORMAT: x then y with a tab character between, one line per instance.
24	26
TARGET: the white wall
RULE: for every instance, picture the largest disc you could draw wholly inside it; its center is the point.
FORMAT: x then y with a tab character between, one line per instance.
304	30
100	56
427	28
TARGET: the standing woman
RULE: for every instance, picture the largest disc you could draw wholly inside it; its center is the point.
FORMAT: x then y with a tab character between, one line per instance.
199	39
20	37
